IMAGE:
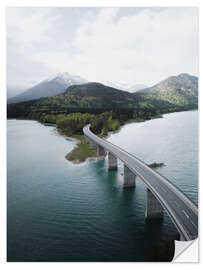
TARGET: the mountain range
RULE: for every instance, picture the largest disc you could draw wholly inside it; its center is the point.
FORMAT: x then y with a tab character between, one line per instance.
49	87
91	95
175	93
179	90
58	84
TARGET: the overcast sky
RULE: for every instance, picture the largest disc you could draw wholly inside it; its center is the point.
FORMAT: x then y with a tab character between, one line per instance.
121	45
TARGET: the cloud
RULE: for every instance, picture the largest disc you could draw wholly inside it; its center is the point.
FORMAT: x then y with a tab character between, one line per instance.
29	30
142	48
107	44
30	26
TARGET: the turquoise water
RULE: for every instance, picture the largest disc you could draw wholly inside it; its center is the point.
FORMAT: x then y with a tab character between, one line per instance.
58	211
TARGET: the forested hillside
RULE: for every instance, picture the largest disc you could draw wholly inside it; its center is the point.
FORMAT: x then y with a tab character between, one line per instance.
181	90
107	108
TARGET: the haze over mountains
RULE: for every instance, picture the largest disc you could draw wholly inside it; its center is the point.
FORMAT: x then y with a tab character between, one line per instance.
58	84
125	87
175	93
14	91
49	87
180	90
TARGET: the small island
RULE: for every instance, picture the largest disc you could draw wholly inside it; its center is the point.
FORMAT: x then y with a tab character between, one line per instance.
156	165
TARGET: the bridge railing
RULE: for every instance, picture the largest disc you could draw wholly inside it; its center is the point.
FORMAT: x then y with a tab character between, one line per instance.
137	168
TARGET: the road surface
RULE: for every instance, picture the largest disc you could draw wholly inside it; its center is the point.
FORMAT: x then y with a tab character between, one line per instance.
182	211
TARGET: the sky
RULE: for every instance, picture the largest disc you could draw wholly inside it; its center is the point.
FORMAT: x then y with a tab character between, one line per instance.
120	45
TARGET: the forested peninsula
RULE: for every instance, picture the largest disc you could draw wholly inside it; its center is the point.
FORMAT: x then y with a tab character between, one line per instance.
106	108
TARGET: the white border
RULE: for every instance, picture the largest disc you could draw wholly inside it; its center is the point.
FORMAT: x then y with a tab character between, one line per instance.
75	3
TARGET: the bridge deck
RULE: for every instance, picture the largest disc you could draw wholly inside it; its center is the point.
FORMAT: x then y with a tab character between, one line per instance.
181	210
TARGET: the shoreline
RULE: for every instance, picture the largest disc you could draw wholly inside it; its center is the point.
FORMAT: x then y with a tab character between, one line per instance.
130	121
82	151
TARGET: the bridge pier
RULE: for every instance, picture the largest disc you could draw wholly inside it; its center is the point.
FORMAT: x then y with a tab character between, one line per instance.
154	209
181	237
129	177
100	151
92	144
112	162
87	139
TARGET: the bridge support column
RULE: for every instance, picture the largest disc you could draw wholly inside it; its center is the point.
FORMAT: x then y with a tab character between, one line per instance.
100	151
112	162
86	139
92	144
129	177
154	210
181	237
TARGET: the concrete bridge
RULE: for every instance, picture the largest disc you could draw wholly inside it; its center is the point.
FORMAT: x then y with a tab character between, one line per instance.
160	192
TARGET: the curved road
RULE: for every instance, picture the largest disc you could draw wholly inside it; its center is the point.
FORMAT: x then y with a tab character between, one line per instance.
182	211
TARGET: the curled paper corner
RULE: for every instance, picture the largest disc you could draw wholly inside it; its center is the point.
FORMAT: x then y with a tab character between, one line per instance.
186	251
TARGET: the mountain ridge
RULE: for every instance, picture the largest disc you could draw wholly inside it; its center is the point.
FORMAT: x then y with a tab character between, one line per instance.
57	84
176	93
125	87
180	90
51	86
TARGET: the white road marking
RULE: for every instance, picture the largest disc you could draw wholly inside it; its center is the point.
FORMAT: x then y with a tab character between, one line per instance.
193	224
142	170
185	213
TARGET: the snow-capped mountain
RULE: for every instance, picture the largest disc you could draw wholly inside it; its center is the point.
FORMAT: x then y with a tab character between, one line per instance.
66	79
51	86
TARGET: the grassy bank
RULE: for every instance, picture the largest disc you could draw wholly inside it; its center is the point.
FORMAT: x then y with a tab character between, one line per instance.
71	125
82	151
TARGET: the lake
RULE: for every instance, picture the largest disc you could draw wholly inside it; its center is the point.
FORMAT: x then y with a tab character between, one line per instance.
59	211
